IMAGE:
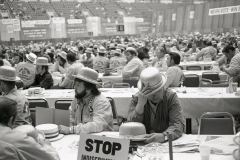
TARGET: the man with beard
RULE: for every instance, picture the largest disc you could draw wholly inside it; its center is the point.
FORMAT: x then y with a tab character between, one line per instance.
90	111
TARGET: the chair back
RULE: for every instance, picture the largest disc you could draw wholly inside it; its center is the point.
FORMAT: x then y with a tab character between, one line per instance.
121	85
116	121
207	67
63	104
193	68
214	76
33	103
217	123
191	80
221	84
205	83
132	81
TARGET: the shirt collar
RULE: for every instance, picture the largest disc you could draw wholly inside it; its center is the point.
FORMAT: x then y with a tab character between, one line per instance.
86	99
13	90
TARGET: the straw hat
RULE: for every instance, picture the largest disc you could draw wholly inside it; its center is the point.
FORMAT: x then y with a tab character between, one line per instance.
8	73
118	51
131	49
31	57
74	50
42	61
102	50
120	46
153	78
88	75
63	55
112	45
88	50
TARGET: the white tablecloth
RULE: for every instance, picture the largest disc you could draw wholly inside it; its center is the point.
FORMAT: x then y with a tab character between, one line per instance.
68	150
194	103
196	63
115	78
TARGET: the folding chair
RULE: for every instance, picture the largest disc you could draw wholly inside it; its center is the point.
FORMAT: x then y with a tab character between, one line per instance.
132	81
121	85
207	67
63	104
217	123
205	83
214	77
33	103
191	80
193	68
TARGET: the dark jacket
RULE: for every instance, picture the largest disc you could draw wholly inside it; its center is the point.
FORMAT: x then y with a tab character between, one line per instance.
43	81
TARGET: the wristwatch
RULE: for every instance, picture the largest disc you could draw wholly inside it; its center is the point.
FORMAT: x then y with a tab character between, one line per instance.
165	136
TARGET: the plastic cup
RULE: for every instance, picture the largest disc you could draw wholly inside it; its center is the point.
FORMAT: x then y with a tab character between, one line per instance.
234	85
204	152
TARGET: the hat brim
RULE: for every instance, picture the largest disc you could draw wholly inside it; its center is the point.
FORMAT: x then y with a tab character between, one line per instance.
164	79
62	56
60	136
27	56
86	79
9	79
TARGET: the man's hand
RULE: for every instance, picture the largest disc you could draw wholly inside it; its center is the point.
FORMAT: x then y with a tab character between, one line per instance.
64	129
154	137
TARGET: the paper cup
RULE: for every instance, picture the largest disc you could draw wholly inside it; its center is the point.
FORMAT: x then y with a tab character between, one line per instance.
204	152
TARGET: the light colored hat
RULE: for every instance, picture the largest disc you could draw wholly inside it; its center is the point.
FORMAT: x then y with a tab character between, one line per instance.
153	78
63	55
31	57
185	41
8	73
48	51
112	45
102	50
120	46
74	50
118	51
88	75
214	42
88	50
42	61
95	46
131	49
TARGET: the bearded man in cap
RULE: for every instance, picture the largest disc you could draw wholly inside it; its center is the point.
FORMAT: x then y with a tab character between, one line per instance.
27	70
90	111
8	88
156	107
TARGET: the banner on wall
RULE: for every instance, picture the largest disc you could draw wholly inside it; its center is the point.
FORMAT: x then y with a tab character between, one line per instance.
143	28
34	33
74	21
191	15
29	24
59	20
10	29
160	19
224	10
16	25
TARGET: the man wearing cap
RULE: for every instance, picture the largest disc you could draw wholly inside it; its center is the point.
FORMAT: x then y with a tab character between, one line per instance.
27	70
61	65
43	78
23	146
8	88
207	51
100	63
117	60
73	69
156	107
90	111
87	58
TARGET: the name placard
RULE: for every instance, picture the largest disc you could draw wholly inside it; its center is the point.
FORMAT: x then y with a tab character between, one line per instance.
92	147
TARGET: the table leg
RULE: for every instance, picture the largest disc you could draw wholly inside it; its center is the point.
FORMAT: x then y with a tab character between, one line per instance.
188	126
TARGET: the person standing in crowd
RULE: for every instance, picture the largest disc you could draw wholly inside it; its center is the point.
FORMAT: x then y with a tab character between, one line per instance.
72	70
8	88
134	65
156	107
160	60
117	60
100	63
233	69
27	70
26	147
43	78
61	65
174	73
207	51
90	111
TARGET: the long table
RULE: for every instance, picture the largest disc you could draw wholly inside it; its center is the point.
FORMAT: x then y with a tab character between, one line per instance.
67	148
202	64
115	78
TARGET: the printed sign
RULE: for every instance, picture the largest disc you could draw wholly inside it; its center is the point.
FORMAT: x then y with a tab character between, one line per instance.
101	147
16	25
224	10
174	16
60	20
7	21
28	24
74	21
191	16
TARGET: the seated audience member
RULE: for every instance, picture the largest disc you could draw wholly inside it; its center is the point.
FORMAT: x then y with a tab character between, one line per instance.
228	53
27	70
9	90
5	62
26	147
233	69
90	111
100	63
16	59
134	65
61	65
88	55
117	60
174	73
143	56
73	69
192	50
209	50
156	107
160	60
43	78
